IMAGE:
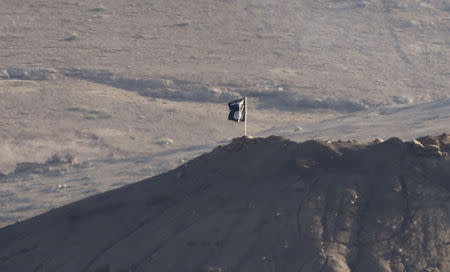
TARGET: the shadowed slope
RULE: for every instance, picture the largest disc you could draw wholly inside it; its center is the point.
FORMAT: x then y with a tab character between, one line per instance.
265	204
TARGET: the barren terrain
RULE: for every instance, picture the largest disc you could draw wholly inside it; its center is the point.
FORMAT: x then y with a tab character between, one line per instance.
99	94
261	204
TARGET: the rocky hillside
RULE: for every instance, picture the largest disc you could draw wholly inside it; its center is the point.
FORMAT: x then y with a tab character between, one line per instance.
131	89
263	204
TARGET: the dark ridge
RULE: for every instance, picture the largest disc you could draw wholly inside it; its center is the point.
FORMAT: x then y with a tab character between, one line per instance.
258	204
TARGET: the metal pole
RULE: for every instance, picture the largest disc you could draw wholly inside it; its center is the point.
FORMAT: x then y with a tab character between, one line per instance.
245	116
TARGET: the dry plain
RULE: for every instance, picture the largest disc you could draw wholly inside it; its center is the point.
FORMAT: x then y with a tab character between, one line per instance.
123	90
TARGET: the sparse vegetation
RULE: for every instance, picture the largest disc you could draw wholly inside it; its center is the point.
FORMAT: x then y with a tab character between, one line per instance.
90	114
58	158
182	24
4	74
72	37
100	8
278	53
138	36
164	141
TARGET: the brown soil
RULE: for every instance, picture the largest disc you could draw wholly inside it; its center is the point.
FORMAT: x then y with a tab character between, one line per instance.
258	204
95	95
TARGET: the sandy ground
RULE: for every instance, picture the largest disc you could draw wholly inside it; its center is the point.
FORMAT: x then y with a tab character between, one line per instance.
311	69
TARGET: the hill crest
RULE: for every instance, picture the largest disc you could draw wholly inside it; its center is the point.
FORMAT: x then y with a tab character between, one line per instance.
256	204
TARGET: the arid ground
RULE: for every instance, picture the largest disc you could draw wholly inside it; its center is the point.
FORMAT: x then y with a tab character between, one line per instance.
259	204
98	94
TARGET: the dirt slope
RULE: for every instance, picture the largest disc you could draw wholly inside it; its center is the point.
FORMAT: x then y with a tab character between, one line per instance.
264	204
134	88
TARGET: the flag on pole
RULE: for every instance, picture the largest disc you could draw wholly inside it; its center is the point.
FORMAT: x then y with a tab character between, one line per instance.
237	110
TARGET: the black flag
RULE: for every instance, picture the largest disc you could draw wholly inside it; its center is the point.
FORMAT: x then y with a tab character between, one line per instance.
237	110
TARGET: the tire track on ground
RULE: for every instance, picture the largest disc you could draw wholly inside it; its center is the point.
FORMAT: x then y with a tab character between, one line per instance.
394	37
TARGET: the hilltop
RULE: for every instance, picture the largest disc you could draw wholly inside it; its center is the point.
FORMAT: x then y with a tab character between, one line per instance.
132	89
262	204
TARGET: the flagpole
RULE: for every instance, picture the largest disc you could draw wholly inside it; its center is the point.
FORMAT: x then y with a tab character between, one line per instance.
245	116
